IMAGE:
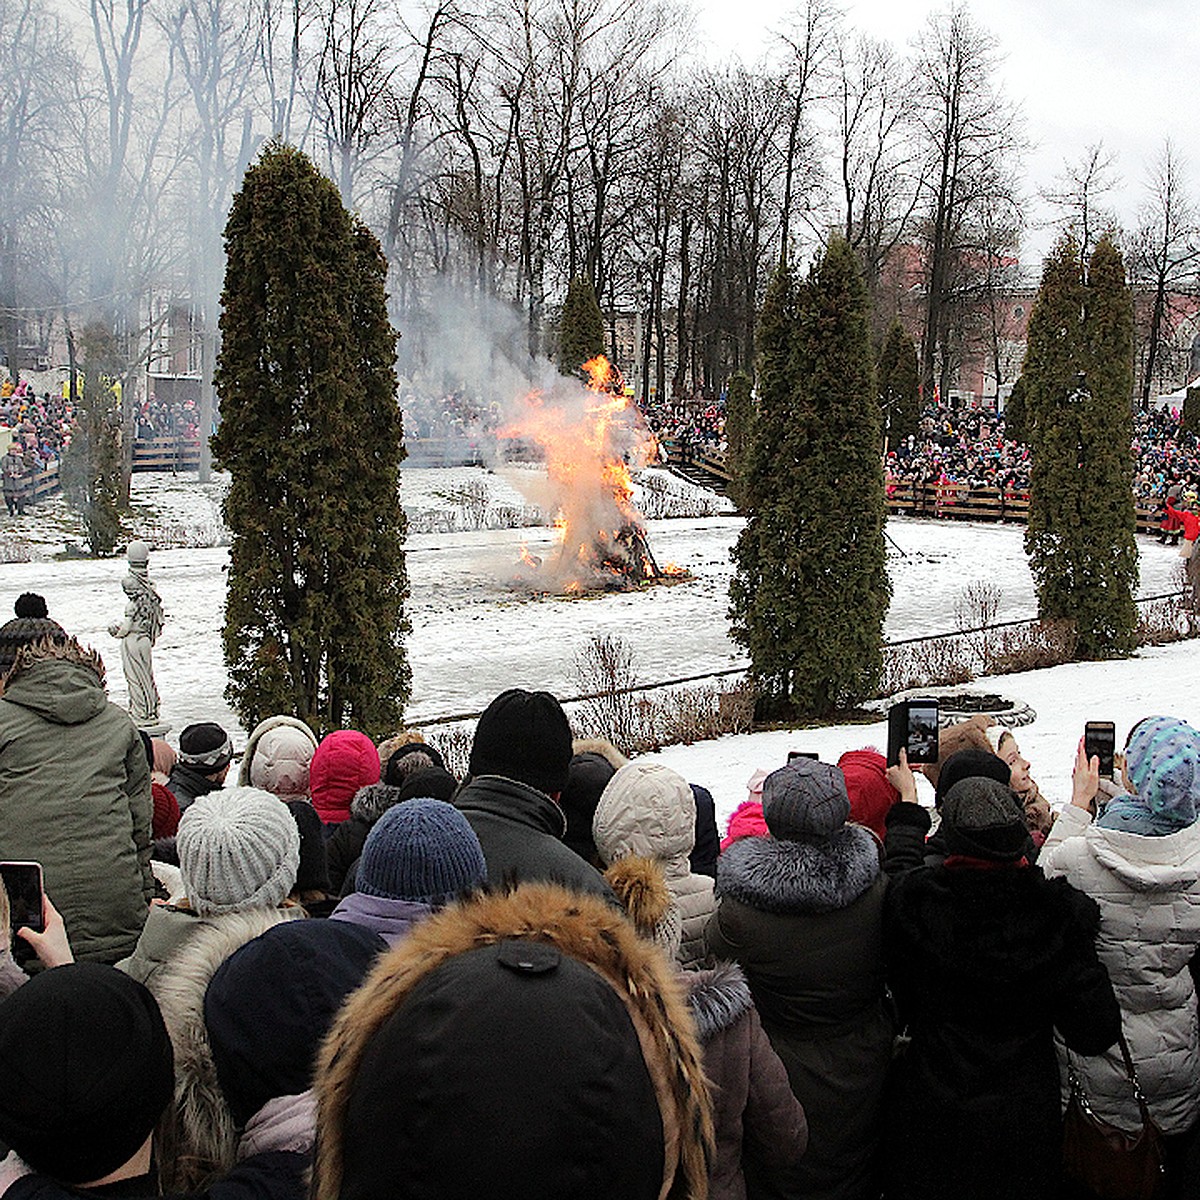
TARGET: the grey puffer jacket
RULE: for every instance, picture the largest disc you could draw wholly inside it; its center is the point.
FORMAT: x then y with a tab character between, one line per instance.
1148	890
657	823
75	796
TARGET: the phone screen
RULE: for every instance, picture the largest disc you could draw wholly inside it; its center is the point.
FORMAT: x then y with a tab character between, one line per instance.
1099	741
23	882
922	740
794	754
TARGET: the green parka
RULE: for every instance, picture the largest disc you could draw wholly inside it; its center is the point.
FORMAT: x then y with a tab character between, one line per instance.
75	796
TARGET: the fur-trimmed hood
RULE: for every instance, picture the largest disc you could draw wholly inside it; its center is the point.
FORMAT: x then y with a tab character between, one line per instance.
61	682
640	886
578	927
296	766
786	877
718	997
196	1140
601	746
372	801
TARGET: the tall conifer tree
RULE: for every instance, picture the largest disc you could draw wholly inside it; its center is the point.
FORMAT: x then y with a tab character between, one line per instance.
1078	388
581	330
739	430
899	393
811	590
311	434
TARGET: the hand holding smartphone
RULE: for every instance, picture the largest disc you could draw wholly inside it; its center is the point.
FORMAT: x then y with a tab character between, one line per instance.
913	728
23	883
1099	741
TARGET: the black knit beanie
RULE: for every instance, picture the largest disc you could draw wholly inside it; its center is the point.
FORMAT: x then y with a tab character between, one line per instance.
395	772
524	736
88	1070
969	764
432	783
31	623
982	818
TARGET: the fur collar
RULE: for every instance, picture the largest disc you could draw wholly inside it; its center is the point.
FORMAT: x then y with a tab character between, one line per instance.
373	800
587	929
196	1139
601	746
47	649
718	998
800	877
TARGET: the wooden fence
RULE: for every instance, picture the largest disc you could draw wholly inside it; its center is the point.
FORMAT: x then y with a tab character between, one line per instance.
167	454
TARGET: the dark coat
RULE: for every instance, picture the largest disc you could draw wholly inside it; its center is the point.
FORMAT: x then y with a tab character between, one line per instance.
520	830
707	846
984	966
755	1116
186	784
805	921
344	848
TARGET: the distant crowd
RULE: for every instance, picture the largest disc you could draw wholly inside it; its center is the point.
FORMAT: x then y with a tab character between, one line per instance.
332	969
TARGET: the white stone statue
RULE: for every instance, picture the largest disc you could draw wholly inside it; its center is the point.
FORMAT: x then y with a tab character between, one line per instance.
138	630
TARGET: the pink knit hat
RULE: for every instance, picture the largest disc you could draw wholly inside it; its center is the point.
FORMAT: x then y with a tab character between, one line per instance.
344	761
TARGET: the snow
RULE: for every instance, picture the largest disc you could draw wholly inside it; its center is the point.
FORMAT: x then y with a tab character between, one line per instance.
473	635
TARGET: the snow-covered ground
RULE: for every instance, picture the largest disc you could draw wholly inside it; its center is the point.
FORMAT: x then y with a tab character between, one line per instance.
473	635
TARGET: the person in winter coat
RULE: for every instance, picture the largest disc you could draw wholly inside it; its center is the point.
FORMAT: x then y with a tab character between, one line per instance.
526	1046
594	761
79	1113
344	762
986	959
345	843
205	752
871	794
30	623
277	757
1140	861
647	809
801	911
239	851
759	1125
418	857
75	795
518	768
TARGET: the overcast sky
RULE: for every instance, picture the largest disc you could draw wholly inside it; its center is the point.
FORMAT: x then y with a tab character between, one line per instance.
1125	72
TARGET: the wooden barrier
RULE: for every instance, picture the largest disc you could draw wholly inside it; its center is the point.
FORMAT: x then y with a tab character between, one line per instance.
167	454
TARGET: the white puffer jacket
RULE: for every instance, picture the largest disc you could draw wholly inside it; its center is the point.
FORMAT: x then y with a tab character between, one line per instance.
1148	889
649	810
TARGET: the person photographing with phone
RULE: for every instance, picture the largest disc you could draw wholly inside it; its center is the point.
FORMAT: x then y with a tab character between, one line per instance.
1140	860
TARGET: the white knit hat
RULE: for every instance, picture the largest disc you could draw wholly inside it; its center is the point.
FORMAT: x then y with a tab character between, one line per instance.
239	848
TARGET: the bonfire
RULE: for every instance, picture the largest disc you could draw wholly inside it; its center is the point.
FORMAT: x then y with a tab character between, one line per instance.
591	441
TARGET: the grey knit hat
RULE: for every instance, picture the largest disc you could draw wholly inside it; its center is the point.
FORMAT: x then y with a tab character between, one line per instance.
805	801
239	848
982	818
421	850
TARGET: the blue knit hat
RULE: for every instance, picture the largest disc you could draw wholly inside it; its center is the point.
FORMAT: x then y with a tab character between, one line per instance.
1162	764
421	850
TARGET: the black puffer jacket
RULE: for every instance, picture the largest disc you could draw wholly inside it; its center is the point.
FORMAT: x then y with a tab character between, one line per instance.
521	830
187	785
985	964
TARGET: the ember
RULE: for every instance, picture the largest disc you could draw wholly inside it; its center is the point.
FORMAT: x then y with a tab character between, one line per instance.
590	440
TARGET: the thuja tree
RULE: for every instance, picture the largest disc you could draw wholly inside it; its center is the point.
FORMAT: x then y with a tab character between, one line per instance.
899	394
311	435
739	429
581	329
810	589
1078	388
91	466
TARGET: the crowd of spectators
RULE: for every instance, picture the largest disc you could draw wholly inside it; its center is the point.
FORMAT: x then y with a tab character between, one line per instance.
345	972
160	419
695	426
453	416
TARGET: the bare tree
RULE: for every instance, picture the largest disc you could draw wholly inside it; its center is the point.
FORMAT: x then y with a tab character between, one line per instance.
1078	198
1165	257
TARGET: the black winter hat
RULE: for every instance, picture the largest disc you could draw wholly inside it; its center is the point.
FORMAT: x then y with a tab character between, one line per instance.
394	772
524	736
263	1046
432	783
982	818
205	747
969	764
31	623
587	777
88	1070
312	875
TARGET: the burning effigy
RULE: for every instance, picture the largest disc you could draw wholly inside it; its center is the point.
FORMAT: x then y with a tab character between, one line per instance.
592	438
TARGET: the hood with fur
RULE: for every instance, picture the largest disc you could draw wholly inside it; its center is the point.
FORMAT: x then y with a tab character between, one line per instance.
718	997
787	877
62	682
640	886
196	1140
582	928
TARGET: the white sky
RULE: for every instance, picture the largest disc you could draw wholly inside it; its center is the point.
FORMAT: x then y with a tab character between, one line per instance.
1124	72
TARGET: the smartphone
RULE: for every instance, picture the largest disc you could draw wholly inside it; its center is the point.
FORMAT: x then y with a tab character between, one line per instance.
1099	741
803	754
913	728
23	883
